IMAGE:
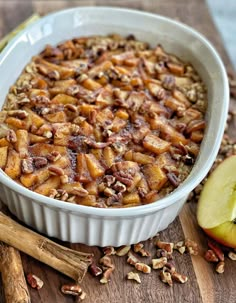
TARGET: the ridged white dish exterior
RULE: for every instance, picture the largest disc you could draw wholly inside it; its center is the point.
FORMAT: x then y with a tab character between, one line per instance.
114	227
92	230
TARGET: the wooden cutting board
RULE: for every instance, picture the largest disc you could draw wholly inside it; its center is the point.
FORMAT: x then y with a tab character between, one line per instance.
204	284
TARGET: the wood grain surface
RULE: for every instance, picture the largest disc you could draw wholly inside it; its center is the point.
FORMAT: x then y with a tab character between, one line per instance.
204	284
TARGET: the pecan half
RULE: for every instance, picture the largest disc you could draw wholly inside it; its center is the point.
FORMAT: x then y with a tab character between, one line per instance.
168	82
168	246
80	191
95	270
40	162
54	170
53	156
217	250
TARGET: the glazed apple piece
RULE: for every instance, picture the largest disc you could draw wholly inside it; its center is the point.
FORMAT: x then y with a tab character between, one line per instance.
120	58
35	178
122	114
45	188
83	174
136	179
118	124
58	117
91	84
39	176
181	97
108	156
125	166
43	149
92	188
13	165
105	97
16	123
3	156
34	119
100	68
189	115
155	144
62	132
22	142
216	212
142	158
95	168
46	68
87	109
131	198
61	86
4	142
37	139
89	200
176	68
64	99
174	104
155	176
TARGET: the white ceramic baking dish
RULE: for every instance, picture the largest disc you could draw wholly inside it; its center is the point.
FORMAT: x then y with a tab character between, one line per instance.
115	227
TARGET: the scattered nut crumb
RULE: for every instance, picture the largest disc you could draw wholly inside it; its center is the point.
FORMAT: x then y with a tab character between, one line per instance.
220	267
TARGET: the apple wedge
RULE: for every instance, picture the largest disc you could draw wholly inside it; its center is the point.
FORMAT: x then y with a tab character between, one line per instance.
216	212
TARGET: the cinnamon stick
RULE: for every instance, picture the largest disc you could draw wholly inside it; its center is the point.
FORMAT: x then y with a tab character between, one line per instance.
13	279
70	262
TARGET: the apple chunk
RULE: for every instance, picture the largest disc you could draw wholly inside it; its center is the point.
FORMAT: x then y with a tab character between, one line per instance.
216	212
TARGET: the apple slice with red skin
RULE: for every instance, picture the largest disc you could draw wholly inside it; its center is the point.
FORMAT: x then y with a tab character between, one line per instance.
216	212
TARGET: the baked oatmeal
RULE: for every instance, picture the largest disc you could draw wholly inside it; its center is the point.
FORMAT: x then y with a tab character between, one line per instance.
103	121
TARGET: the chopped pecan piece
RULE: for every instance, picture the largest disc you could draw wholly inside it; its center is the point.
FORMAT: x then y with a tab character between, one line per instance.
143	267
123	250
166	277
133	276
179	278
27	166
159	263
191	247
